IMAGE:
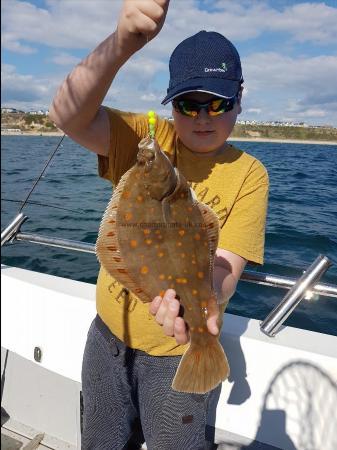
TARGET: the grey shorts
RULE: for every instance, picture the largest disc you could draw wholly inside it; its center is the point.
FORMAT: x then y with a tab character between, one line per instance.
127	398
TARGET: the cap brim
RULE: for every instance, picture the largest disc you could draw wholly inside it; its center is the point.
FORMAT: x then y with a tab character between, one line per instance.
216	86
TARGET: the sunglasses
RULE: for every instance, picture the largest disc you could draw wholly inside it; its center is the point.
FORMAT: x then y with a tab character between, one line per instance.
214	107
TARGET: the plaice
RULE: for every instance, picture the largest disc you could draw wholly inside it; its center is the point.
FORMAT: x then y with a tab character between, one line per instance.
155	235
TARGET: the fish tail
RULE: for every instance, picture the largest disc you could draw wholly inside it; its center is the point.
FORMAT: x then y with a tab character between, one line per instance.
201	368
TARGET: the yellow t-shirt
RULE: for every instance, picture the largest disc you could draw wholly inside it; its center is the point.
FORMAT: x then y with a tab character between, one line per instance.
234	184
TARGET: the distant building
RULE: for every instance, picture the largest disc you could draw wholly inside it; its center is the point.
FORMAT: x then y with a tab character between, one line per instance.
37	113
11	110
11	131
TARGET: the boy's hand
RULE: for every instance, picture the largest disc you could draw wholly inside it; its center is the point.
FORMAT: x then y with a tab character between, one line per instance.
140	21
166	311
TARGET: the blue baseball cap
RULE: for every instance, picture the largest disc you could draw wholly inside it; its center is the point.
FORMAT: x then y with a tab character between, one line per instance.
204	62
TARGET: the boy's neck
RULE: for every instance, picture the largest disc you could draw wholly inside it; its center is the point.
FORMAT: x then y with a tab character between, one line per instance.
213	153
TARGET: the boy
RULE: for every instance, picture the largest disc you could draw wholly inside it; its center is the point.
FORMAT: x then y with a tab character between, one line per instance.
132	355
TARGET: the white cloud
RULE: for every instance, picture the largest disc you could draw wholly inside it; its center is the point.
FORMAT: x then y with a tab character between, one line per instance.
66	24
26	91
65	59
277	83
254	110
150	97
83	24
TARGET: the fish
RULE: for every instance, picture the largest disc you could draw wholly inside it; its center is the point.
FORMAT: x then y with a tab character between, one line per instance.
155	235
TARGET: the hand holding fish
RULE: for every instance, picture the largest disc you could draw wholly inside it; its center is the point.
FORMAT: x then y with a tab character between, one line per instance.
140	21
166	311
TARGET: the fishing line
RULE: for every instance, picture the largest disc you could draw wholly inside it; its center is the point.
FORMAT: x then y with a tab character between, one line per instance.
43	171
42	204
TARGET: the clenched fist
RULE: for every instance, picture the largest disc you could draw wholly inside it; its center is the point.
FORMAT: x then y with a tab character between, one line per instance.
140	21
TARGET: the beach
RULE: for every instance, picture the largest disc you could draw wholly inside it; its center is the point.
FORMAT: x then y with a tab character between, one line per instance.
280	141
231	139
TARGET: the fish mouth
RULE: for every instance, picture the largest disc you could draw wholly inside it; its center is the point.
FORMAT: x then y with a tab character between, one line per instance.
146	151
145	155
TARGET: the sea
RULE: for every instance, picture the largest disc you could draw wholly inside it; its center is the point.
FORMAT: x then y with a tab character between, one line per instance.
301	222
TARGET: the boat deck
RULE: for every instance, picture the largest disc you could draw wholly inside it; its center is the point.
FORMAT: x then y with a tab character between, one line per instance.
11	440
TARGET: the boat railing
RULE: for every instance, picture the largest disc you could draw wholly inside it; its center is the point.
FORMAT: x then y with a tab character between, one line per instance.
307	286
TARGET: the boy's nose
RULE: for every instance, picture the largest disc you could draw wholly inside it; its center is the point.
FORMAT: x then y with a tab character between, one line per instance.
202	116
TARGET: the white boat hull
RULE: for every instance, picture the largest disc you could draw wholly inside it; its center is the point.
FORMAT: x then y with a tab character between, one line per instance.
281	392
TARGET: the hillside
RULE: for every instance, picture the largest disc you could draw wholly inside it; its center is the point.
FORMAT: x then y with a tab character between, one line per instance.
285	132
41	123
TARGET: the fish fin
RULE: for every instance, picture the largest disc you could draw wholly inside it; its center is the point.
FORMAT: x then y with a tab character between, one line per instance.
107	245
166	209
212	228
201	368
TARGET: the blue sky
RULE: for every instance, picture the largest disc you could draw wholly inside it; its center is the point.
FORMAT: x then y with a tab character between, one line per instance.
288	51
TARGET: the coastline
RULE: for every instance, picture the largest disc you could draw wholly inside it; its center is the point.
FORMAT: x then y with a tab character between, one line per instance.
234	139
281	141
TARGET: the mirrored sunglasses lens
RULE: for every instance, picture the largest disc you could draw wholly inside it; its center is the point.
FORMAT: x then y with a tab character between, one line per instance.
189	108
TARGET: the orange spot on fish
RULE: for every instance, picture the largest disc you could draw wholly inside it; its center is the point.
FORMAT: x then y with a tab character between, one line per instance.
190	209
133	243
111	233
169	277
122	270
183	255
197	237
160	254
140	198
157	232
192	328
144	270
111	248
193	261
200	275
182	195
181	232
160	236
161	293
179	244
128	216
181	280
161	276
211	225
126	194
194	291
112	221
138	290
203	304
146	231
148	241
117	259
200	330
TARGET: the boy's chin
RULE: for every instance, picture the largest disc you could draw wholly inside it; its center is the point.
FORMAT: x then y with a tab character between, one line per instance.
204	149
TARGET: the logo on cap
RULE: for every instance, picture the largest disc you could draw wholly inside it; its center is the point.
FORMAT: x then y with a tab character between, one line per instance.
223	68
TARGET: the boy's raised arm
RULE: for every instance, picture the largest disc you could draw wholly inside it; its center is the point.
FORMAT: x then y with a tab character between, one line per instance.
76	107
